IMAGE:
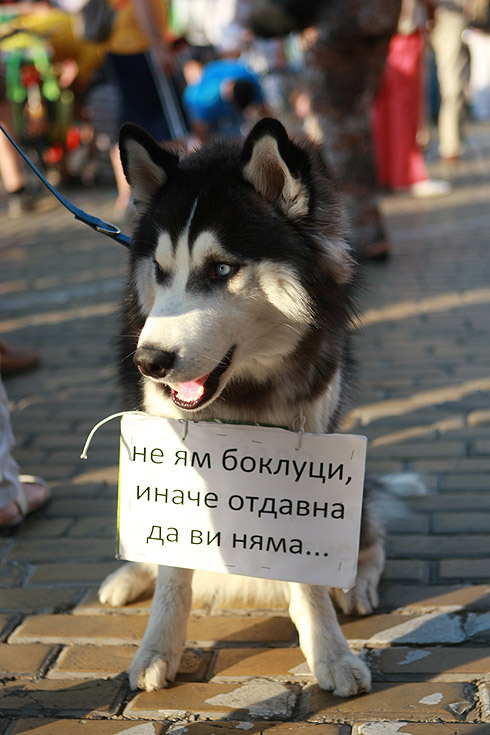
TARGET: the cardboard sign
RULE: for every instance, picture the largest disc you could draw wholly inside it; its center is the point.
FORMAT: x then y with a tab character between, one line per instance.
263	502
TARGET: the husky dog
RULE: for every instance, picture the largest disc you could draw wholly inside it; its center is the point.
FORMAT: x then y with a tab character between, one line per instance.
239	304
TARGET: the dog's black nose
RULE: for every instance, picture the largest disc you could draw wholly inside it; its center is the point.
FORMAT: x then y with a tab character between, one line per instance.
153	362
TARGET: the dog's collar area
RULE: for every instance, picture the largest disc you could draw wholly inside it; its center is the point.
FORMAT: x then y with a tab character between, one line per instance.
185	426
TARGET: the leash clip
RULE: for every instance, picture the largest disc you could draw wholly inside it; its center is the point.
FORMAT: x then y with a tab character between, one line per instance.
109	229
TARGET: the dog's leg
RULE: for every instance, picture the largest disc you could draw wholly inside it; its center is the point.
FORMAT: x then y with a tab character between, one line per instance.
323	643
128	583
362	599
157	659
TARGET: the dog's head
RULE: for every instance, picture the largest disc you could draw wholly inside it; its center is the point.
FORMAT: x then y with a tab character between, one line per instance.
236	258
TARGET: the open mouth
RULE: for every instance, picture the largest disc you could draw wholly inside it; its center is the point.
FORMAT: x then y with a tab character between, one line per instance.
195	393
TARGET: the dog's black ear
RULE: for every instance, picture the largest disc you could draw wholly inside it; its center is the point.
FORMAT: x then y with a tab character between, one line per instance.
147	166
277	168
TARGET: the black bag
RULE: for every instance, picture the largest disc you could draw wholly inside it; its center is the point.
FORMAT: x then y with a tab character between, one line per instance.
269	18
97	20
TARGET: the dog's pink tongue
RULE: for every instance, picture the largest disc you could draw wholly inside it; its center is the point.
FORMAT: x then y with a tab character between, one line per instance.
192	390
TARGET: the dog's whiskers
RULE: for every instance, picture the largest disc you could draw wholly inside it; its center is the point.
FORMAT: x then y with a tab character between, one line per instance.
128	356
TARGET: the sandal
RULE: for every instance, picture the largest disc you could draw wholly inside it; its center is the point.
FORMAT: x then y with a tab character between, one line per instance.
35	494
14	360
377	252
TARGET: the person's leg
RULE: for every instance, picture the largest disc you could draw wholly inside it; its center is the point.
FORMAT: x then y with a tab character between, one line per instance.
450	62
139	104
123	189
19	494
10	170
408	166
20	200
344	78
10	485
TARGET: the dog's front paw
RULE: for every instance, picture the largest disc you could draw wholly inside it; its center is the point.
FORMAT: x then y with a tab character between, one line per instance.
150	670
345	676
126	584
116	590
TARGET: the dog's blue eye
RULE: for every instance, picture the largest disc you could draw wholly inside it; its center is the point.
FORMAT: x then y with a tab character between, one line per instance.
223	270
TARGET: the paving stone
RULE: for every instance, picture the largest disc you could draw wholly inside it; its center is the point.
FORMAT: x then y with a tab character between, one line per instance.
459	464
234	663
233	606
47	599
91	661
359	630
423	449
464	569
73	507
458	498
455	662
85	727
28	659
440	546
63	698
458	482
6	623
90	605
41	550
9	575
410	570
121	629
425	629
253	728
70	629
417	728
477	626
72	573
222	630
427	701
424	598
94	527
461	522
484	694
255	699
411	523
49	528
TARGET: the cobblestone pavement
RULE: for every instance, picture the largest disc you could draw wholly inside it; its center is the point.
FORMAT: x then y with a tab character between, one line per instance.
424	354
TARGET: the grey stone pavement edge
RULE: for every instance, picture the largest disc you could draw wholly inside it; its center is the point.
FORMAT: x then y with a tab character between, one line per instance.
424	404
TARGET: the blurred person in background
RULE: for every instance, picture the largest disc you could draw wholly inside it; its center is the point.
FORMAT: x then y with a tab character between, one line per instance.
477	39
135	36
219	98
145	65
19	494
346	44
450	21
19	199
398	106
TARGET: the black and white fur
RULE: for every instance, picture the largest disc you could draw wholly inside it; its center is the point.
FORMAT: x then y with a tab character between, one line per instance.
239	270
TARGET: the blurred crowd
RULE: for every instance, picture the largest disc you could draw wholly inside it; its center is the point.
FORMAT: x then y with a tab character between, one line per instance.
362	80
365	80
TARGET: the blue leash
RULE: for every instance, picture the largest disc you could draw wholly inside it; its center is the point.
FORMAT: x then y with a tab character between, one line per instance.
97	224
